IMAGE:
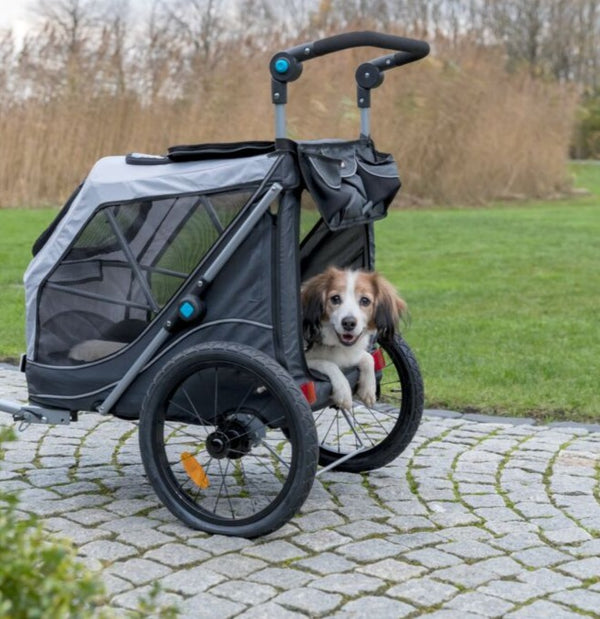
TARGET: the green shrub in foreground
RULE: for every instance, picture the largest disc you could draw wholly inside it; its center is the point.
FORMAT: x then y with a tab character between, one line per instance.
39	576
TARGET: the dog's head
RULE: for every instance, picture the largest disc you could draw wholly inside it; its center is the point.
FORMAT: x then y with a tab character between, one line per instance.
339	306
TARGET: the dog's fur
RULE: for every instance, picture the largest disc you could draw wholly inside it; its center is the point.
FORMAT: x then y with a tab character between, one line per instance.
342	311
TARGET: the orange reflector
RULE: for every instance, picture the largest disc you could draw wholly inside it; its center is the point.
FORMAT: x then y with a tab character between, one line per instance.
379	359
309	391
195	471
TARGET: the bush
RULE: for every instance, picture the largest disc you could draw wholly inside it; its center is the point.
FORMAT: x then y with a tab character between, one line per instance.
39	576
586	140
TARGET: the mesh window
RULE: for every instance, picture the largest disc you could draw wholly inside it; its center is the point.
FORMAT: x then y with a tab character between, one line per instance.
124	266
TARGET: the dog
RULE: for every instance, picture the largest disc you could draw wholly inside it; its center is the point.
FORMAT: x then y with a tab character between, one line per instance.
343	310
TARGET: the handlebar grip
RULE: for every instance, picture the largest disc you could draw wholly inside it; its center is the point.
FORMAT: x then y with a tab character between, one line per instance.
366	38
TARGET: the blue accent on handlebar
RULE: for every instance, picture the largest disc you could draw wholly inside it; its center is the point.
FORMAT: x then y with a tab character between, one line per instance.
282	65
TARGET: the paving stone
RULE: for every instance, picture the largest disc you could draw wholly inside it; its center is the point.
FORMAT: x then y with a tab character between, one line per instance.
143	539
348	584
276	551
270	610
192	581
392	570
470	549
320	541
582	599
454	519
480	604
139	571
319	520
464	575
541	556
177	555
511	590
370	550
433	558
326	563
308	600
516	541
590	548
131	600
412	541
364	528
90	517
107	550
455	534
483	500
129	507
541	609
406	524
114	585
206	606
234	564
249	593
282	578
583	568
548	580
570	535
500	566
423	591
371	606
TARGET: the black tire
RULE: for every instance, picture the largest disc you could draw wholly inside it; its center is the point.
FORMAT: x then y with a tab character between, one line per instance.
228	440
382	431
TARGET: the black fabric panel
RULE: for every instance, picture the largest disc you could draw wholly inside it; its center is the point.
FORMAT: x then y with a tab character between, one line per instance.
231	150
347	248
287	299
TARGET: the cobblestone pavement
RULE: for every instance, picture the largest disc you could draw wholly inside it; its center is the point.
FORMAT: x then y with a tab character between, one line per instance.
478	518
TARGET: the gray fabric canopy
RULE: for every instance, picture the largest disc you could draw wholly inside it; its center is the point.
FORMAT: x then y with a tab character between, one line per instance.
113	180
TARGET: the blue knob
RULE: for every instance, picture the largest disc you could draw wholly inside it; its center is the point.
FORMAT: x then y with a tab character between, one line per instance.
282	65
186	310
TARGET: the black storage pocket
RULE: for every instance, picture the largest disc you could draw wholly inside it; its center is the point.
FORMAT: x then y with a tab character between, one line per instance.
350	182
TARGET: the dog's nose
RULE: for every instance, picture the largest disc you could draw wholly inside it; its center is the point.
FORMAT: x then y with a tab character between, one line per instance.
349	323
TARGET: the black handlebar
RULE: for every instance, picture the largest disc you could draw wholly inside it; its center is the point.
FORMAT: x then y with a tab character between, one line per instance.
286	66
366	38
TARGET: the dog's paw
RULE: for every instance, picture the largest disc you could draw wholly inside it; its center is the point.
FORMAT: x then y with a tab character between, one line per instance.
342	395
367	397
367	388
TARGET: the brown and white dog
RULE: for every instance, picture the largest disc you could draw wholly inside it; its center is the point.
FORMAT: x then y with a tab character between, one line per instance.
342	311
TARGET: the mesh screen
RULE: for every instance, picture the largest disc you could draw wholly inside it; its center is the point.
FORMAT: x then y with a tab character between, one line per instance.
123	267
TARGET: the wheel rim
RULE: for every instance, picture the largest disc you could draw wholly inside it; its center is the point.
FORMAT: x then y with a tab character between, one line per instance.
363	428
222	444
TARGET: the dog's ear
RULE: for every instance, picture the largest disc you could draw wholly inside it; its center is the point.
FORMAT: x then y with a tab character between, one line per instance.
389	308
313	297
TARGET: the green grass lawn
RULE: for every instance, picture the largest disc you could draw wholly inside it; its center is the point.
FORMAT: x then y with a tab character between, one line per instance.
504	300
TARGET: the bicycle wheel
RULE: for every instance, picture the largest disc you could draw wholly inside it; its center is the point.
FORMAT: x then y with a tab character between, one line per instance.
228	441
378	434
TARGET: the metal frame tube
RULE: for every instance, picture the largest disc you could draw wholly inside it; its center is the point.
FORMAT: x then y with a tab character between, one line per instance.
10	407
365	121
280	121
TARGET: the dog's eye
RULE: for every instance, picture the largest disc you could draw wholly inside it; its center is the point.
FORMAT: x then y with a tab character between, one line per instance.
365	301
336	299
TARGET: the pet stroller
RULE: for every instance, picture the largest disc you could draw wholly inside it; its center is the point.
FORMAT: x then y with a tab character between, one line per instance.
168	290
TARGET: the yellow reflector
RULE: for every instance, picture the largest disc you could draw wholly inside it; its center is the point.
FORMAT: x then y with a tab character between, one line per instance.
195	471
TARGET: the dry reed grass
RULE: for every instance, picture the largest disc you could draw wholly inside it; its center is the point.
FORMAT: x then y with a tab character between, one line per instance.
463	132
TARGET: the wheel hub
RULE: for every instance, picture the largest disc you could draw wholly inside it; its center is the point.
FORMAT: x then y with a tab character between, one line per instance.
234	439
